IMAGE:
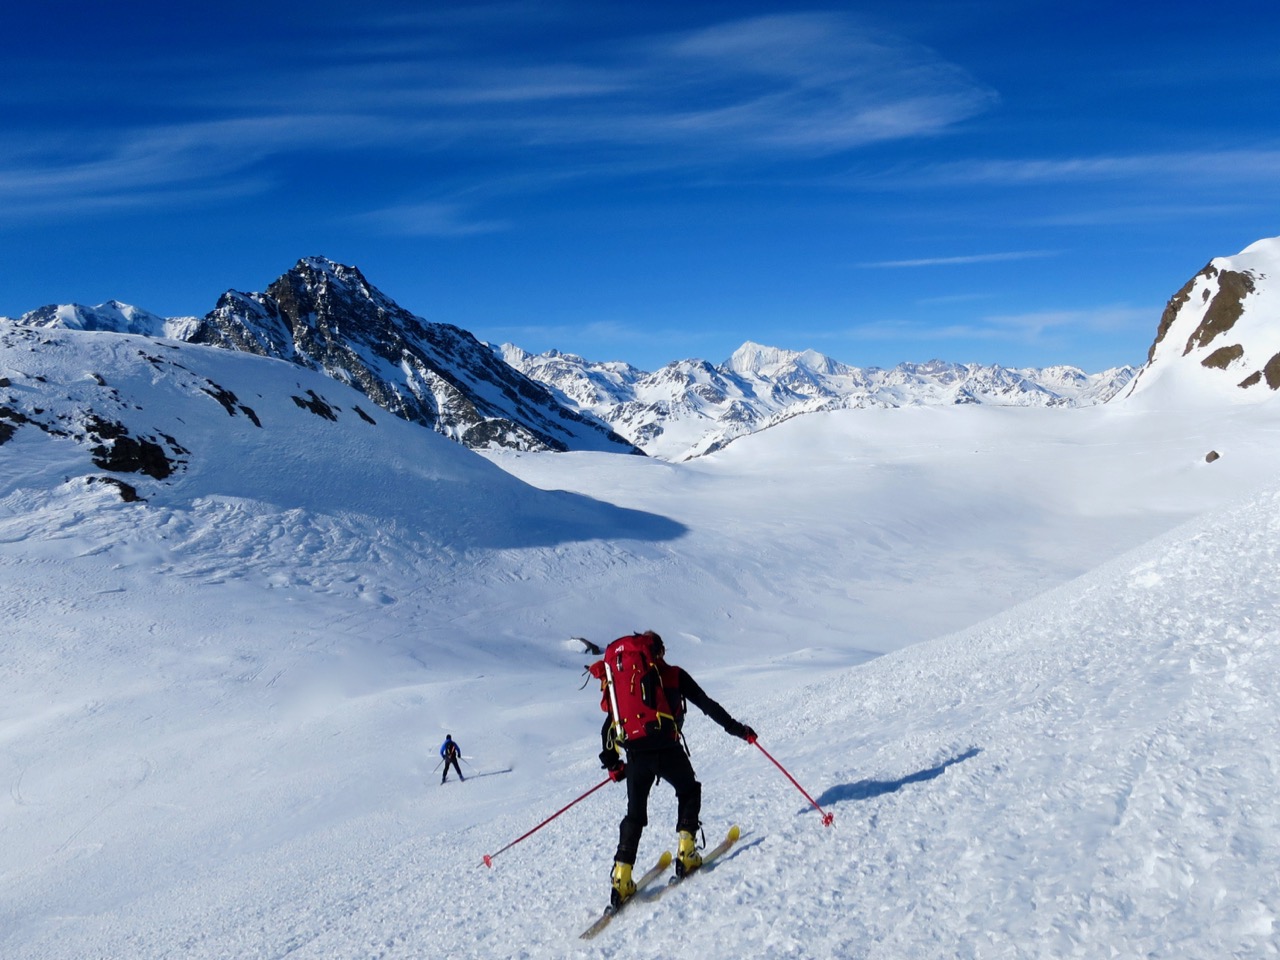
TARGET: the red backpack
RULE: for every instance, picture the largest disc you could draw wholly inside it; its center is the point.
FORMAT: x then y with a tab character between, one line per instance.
631	690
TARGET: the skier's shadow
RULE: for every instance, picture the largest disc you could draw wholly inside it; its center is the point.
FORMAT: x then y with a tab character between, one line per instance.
740	847
490	773
868	789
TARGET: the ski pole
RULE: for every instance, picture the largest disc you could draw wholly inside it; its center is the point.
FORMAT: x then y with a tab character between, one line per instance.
488	857
827	818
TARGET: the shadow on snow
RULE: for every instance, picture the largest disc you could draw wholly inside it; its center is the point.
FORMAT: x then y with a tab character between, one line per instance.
869	789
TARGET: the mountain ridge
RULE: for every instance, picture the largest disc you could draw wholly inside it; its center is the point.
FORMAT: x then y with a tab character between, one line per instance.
327	317
692	407
1217	336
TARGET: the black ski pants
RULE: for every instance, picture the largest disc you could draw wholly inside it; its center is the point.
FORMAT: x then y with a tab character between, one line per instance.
644	768
451	762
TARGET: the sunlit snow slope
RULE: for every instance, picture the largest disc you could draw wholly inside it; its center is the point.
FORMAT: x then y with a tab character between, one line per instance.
220	704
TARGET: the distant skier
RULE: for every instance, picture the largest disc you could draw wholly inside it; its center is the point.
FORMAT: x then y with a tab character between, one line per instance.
645	719
450	751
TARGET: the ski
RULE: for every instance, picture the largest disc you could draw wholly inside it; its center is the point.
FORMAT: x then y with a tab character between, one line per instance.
707	858
611	911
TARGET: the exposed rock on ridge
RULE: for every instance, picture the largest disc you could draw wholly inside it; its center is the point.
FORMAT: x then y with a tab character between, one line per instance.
1220	332
327	316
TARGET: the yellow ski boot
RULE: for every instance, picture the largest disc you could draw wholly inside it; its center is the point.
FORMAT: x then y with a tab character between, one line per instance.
622	885
688	858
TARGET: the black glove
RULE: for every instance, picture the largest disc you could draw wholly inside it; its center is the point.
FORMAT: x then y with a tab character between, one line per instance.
618	772
743	732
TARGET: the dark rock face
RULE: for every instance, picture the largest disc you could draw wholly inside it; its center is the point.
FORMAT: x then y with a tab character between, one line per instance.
1271	370
128	492
1223	357
1172	308
328	317
1224	310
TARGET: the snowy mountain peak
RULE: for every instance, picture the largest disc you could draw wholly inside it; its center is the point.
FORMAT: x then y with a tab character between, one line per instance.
326	316
758	360
1219	335
112	316
319	274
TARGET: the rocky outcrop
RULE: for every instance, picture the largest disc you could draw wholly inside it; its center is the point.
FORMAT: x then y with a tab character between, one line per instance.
1220	333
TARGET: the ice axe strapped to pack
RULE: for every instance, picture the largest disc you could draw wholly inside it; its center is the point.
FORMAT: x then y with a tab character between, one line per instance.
631	689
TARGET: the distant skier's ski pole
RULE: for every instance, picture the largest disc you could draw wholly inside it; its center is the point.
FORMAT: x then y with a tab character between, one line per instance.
826	817
488	857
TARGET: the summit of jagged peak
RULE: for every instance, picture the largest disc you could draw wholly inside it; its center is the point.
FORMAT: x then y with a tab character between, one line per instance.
322	270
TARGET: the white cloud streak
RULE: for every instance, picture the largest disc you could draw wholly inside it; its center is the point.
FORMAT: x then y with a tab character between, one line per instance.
1220	165
1031	327
962	260
431	219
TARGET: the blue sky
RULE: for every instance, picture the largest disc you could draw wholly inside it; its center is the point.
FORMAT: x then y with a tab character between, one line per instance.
1023	183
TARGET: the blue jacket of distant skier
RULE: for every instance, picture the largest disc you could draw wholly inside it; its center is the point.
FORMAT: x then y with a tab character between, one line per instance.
450	745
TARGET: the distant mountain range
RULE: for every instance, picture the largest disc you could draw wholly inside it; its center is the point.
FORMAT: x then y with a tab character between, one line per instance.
327	317
691	407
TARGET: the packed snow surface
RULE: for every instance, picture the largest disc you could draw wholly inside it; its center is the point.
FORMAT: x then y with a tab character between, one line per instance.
1026	658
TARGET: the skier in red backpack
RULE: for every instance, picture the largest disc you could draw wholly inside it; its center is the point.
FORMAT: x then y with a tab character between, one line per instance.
645	719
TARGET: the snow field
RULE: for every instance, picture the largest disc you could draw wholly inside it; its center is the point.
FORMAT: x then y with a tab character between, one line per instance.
220	708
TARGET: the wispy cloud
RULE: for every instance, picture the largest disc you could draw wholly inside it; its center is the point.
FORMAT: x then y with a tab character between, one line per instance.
791	85
430	219
1036	324
604	331
961	260
149	167
1221	165
1032	327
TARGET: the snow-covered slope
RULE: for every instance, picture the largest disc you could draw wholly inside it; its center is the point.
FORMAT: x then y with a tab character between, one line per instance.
220	703
110	316
691	407
1219	337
